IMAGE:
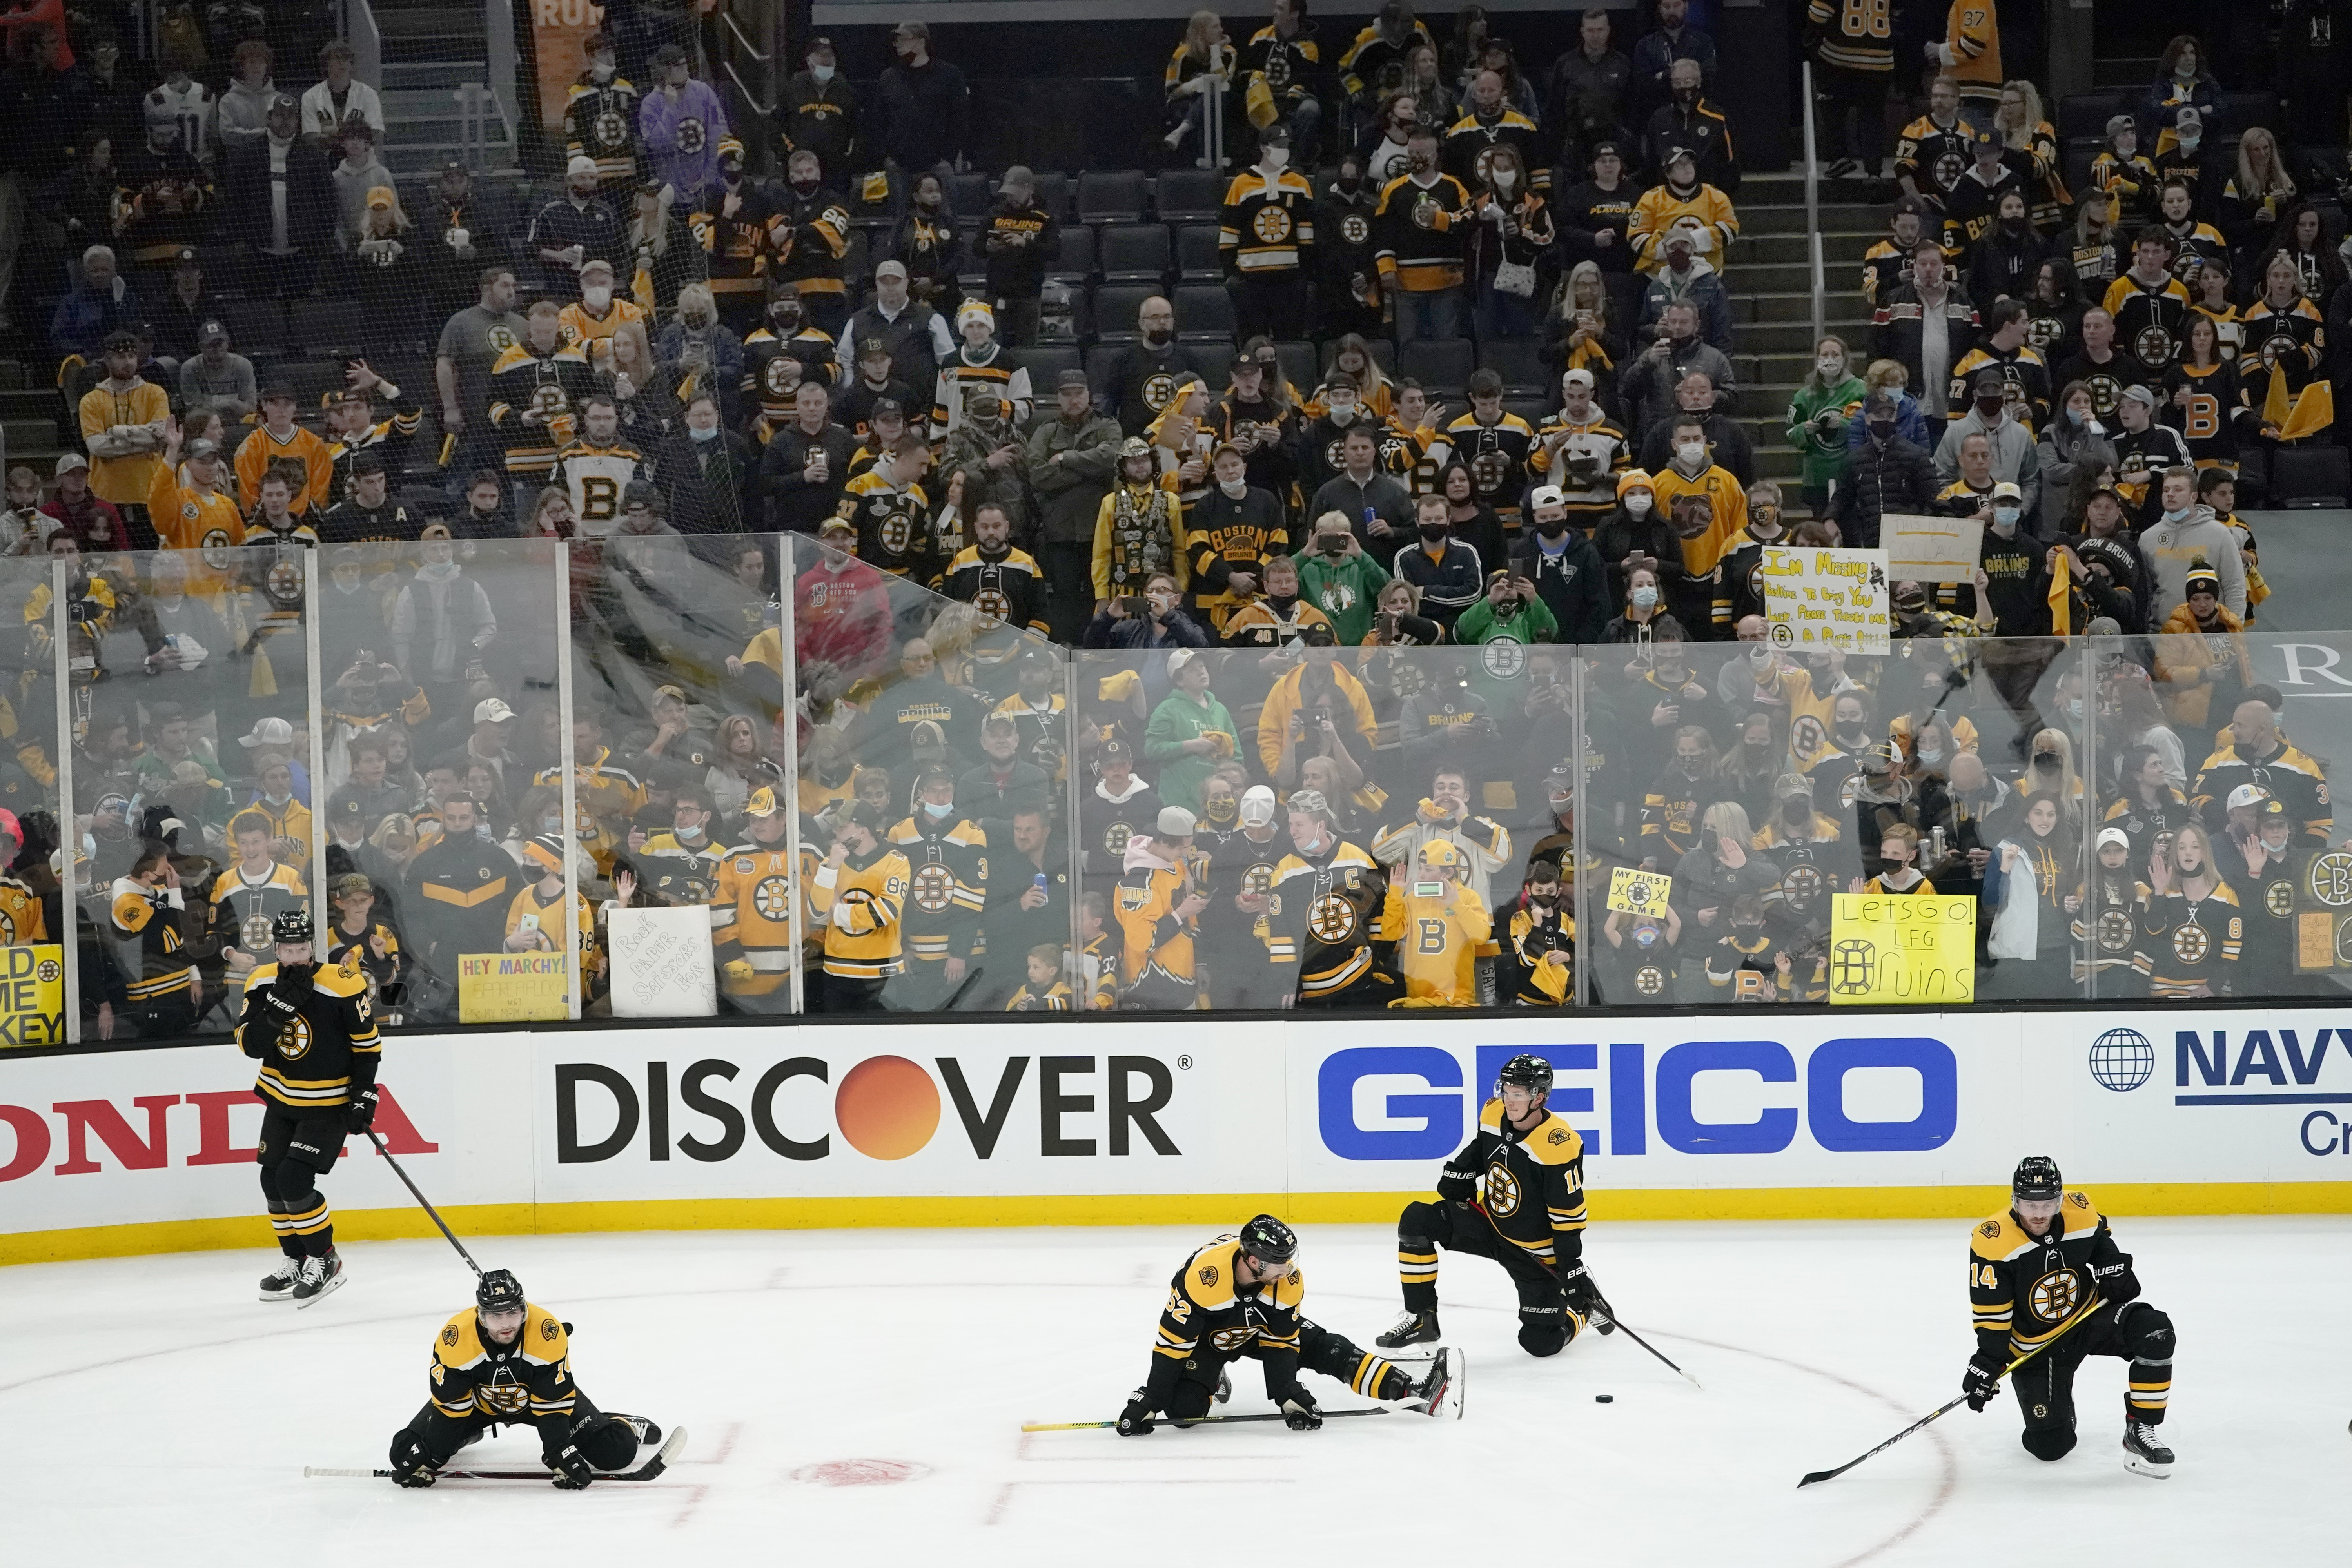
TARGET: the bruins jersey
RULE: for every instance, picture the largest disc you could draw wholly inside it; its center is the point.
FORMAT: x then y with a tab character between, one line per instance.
22	921
2022	1286
154	919
1497	455
1437	927
1238	546
2290	344
2291	775
1054	998
2025	383
1267	228
701	861
2105	929
1009	587
1421	240
1530	1185
600	122
1322	915
2149	321
600	785
1525	935
738	238
595	477
2185	945
342	947
529	910
1212	1314
2207	421
1810	868
593	335
751	913
1670	814
770	374
203	520
388	439
243	907
861	905
894	527
1585	464
1159	964
1853	35
528	1383
1416	457
1933	157
553	387
811	237
324	1056
1469	151
947	886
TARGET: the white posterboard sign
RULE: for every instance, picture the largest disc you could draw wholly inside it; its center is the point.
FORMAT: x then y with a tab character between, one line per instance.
1930	549
661	963
1826	598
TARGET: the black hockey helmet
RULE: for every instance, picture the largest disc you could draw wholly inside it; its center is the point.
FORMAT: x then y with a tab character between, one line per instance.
498	1292
2037	1180
1525	1071
1268	1240
291	926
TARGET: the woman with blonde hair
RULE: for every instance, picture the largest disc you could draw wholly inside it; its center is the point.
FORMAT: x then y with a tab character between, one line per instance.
1511	247
2022	128
1200	72
2051	772
388	272
2256	195
2094	252
2185	890
1580	328
1825	404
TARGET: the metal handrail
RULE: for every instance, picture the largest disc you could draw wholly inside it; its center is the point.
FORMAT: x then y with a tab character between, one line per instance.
749	47
1813	212
750	99
360	30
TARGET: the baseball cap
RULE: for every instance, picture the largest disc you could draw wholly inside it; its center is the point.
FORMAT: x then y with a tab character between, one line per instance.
1256	807
891	269
212	329
2007	491
69	461
836	524
186	257
1175	822
886	405
1311	801
1546	495
819	42
382	197
350	882
2116	836
2140	394
762	803
1180	660
492	711
2247	794
267	731
203	446
1072	377
1578	377
578	164
1789	787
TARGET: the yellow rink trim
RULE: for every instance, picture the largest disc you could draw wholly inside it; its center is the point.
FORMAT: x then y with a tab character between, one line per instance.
1227	1209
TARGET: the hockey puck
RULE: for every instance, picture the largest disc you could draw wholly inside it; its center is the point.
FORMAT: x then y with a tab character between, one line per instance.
1604	1399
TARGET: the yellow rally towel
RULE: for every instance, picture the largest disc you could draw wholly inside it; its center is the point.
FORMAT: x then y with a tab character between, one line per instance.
1258	99
641	287
2313	410
874	188
2062	600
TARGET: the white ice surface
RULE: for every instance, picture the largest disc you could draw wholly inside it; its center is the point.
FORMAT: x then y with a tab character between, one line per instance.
153	1411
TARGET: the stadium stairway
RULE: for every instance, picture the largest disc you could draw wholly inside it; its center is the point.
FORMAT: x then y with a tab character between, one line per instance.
431	48
28	420
1770	280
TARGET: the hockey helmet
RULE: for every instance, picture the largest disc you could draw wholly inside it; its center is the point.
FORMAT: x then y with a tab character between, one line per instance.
291	926
1526	1071
498	1292
2037	1180
1268	1240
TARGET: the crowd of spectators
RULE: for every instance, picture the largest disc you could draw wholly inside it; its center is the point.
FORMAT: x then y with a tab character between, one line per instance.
1337	636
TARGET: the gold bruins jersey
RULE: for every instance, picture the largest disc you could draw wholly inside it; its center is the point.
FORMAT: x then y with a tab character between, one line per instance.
2023	1288
328	1053
1210	1313
861	905
21	919
1531	1184
524	1383
1437	927
1322	915
751	913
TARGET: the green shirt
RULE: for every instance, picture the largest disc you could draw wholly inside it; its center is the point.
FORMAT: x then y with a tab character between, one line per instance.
1177	720
1345	587
1825	456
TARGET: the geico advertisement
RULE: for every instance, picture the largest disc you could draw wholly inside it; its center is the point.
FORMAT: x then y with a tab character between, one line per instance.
984	1108
124	1137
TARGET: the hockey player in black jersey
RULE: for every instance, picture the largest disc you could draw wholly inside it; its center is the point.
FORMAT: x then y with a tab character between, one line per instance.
1239	1296
313	1029
1514	1193
507	1362
2032	1269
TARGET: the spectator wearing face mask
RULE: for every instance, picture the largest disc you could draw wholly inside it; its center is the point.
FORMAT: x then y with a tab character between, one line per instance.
1266	240
1565	567
1233	530
1651	387
1682	201
2014	457
600	119
575	229
1887	473
681	123
922	108
1134	385
1422	226
810	237
821	111
1347	279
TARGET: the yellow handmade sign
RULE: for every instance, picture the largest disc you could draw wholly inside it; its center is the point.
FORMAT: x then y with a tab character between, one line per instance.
1825	599
1914	948
1634	892
33	995
512	987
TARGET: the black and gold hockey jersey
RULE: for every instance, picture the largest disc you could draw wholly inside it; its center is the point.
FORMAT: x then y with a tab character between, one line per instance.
1526	934
1468	151
1008	586
2149	322
386	438
894	527
769	374
1498	457
2022	1286
2289	772
1933	157
1323	913
527	1382
1530	1185
1268	229
553	387
1420	238
751	915
1211	1313
861	905
811	235
1853	35
324	1057
947	886
242	908
22	919
154	919
1590	455
600	122
2025	382
2188	945
1160	966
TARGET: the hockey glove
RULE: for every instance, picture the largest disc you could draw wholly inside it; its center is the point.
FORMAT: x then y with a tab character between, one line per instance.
2116	1281
1982	1379
282	1004
294	981
411	1465
1583	1298
1135	1420
360	1114
1455	1186
573	1472
1299	1412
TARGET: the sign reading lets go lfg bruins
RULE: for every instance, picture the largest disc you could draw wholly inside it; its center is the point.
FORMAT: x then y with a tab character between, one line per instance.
33	995
1918	949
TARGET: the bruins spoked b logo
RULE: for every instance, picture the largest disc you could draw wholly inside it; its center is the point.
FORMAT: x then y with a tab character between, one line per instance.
1272	225
1502	1191
772	898
2191	945
294	1039
934	889
1332	918
2055	1294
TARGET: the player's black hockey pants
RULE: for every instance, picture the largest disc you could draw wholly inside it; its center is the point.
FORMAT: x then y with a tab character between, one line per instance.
1320	1350
1546	1320
608	1442
2136	1333
294	1152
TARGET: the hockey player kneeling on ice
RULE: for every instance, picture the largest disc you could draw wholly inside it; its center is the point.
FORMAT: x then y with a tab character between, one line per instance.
2030	1270
1239	1296
1514	1193
506	1361
311	1027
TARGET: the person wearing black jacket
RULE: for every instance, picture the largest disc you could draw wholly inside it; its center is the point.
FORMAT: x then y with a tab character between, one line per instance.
922	108
1592	85
805	463
286	256
2006	262
821	112
1565	567
1348	279
1447	572
1134	385
1593	215
1637	527
707	471
1017	238
1886	474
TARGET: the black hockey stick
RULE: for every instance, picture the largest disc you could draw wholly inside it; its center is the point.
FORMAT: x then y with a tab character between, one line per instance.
1203	1421
1627	1329
2088	1307
645	1472
377	1139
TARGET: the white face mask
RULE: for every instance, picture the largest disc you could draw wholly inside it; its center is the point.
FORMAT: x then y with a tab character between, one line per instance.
1343	414
1274	157
1234	487
1690	452
822	73
1505	179
1831	366
1638	502
596	296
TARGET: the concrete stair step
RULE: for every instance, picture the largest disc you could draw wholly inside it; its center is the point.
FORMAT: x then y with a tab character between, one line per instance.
1856	217
1841	307
1791	337
28	435
1770	248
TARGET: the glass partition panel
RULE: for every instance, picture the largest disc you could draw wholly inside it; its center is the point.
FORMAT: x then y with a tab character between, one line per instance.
34	910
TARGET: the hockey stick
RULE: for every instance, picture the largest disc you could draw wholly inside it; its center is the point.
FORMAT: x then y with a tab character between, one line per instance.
1623	1328
1203	1421
377	1139
2093	1305
645	1472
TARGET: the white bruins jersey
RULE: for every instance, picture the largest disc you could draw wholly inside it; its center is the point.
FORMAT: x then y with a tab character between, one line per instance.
595	477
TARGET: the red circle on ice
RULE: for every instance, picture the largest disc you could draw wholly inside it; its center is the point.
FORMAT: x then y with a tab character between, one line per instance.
861	1472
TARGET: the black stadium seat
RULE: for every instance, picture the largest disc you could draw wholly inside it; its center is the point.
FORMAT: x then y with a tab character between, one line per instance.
1204	311
1053	194
1112	196
1196	253
1046	361
1115	308
1297	362
1191	196
324	326
968	196
1441	364
257	328
1134	253
1514	361
1075	256
1213	358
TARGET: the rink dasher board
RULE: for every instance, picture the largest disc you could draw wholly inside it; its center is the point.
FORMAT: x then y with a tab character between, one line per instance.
1762	1115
